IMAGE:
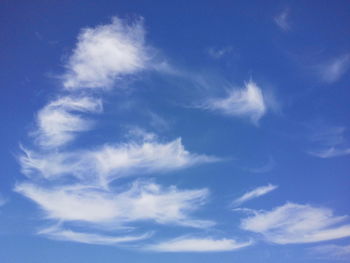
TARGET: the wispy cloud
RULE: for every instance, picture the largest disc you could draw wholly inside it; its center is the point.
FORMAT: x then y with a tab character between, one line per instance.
330	152
57	233
329	142
109	162
248	102
334	252
192	244
255	193
105	53
73	185
141	202
295	223
60	120
334	69
282	20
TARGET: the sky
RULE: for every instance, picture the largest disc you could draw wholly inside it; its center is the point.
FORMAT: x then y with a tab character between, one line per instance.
174	131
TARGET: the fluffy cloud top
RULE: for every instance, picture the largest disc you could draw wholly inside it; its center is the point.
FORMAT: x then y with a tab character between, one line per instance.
105	53
248	102
295	223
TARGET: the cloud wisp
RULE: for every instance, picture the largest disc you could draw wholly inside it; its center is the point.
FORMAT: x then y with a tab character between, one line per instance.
143	201
282	20
330	142
334	69
255	193
59	233
294	223
104	164
60	120
248	102
192	244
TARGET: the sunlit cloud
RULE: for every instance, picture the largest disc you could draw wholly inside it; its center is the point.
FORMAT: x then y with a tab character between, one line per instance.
248	102
105	53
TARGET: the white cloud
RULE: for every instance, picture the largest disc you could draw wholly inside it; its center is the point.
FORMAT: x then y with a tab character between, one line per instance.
248	102
282	20
334	69
295	223
58	233
257	192
59	121
105	53
190	244
142	201
106	163
334	252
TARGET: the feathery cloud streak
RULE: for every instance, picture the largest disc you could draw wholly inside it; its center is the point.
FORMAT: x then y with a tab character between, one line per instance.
191	244
109	162
295	223
255	193
142	201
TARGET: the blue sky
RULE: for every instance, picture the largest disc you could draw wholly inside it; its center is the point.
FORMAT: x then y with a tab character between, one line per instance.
159	131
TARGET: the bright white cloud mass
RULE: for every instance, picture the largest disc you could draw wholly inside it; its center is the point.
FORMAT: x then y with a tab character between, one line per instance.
248	102
105	53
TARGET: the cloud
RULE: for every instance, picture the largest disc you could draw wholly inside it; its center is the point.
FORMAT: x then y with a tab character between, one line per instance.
58	233
334	252
60	120
257	192
248	102
109	162
295	223
330	152
282	20
141	202
332	70
190	244
106	53
329	142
